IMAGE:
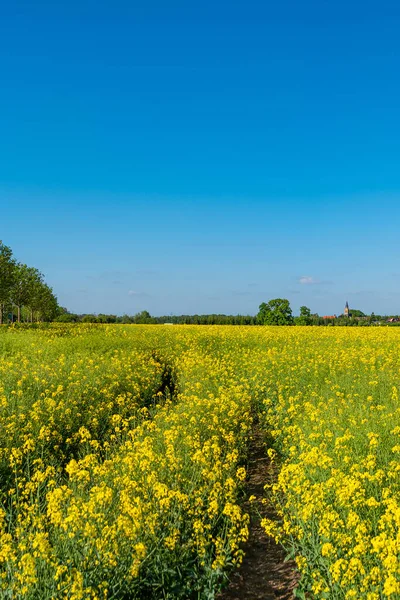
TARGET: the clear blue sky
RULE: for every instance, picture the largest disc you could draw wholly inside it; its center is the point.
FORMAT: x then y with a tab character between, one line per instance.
203	156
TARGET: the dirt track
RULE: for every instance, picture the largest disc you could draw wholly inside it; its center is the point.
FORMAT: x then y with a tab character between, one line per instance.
263	575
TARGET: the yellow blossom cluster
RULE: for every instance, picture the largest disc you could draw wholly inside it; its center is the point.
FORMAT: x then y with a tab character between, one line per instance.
333	410
123	453
119	482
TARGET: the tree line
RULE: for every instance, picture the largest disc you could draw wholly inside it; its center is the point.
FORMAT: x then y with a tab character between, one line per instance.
24	295
145	318
274	312
279	312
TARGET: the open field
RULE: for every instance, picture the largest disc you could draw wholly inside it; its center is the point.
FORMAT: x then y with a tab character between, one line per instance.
123	453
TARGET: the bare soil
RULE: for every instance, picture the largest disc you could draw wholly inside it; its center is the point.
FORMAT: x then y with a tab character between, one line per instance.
264	574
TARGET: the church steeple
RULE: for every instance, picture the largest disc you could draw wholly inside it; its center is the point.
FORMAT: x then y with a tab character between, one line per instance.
346	310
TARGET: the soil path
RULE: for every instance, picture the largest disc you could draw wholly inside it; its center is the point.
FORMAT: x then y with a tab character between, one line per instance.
263	575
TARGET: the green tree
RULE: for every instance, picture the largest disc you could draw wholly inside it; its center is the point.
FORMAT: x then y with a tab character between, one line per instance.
275	312
305	317
42	303
356	313
143	318
23	287
7	276
47	304
66	318
35	296
88	319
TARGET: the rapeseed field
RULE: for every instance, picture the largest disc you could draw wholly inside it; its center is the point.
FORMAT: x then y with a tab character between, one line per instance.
123	458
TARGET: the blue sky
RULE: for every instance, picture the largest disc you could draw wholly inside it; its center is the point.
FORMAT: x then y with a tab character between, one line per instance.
187	157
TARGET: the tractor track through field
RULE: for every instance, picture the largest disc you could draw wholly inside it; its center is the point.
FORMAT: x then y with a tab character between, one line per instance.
264	573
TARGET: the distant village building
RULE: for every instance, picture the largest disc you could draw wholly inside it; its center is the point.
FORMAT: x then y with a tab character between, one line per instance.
347	310
329	317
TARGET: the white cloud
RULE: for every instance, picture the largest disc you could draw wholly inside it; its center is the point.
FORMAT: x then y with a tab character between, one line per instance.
307	280
138	294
